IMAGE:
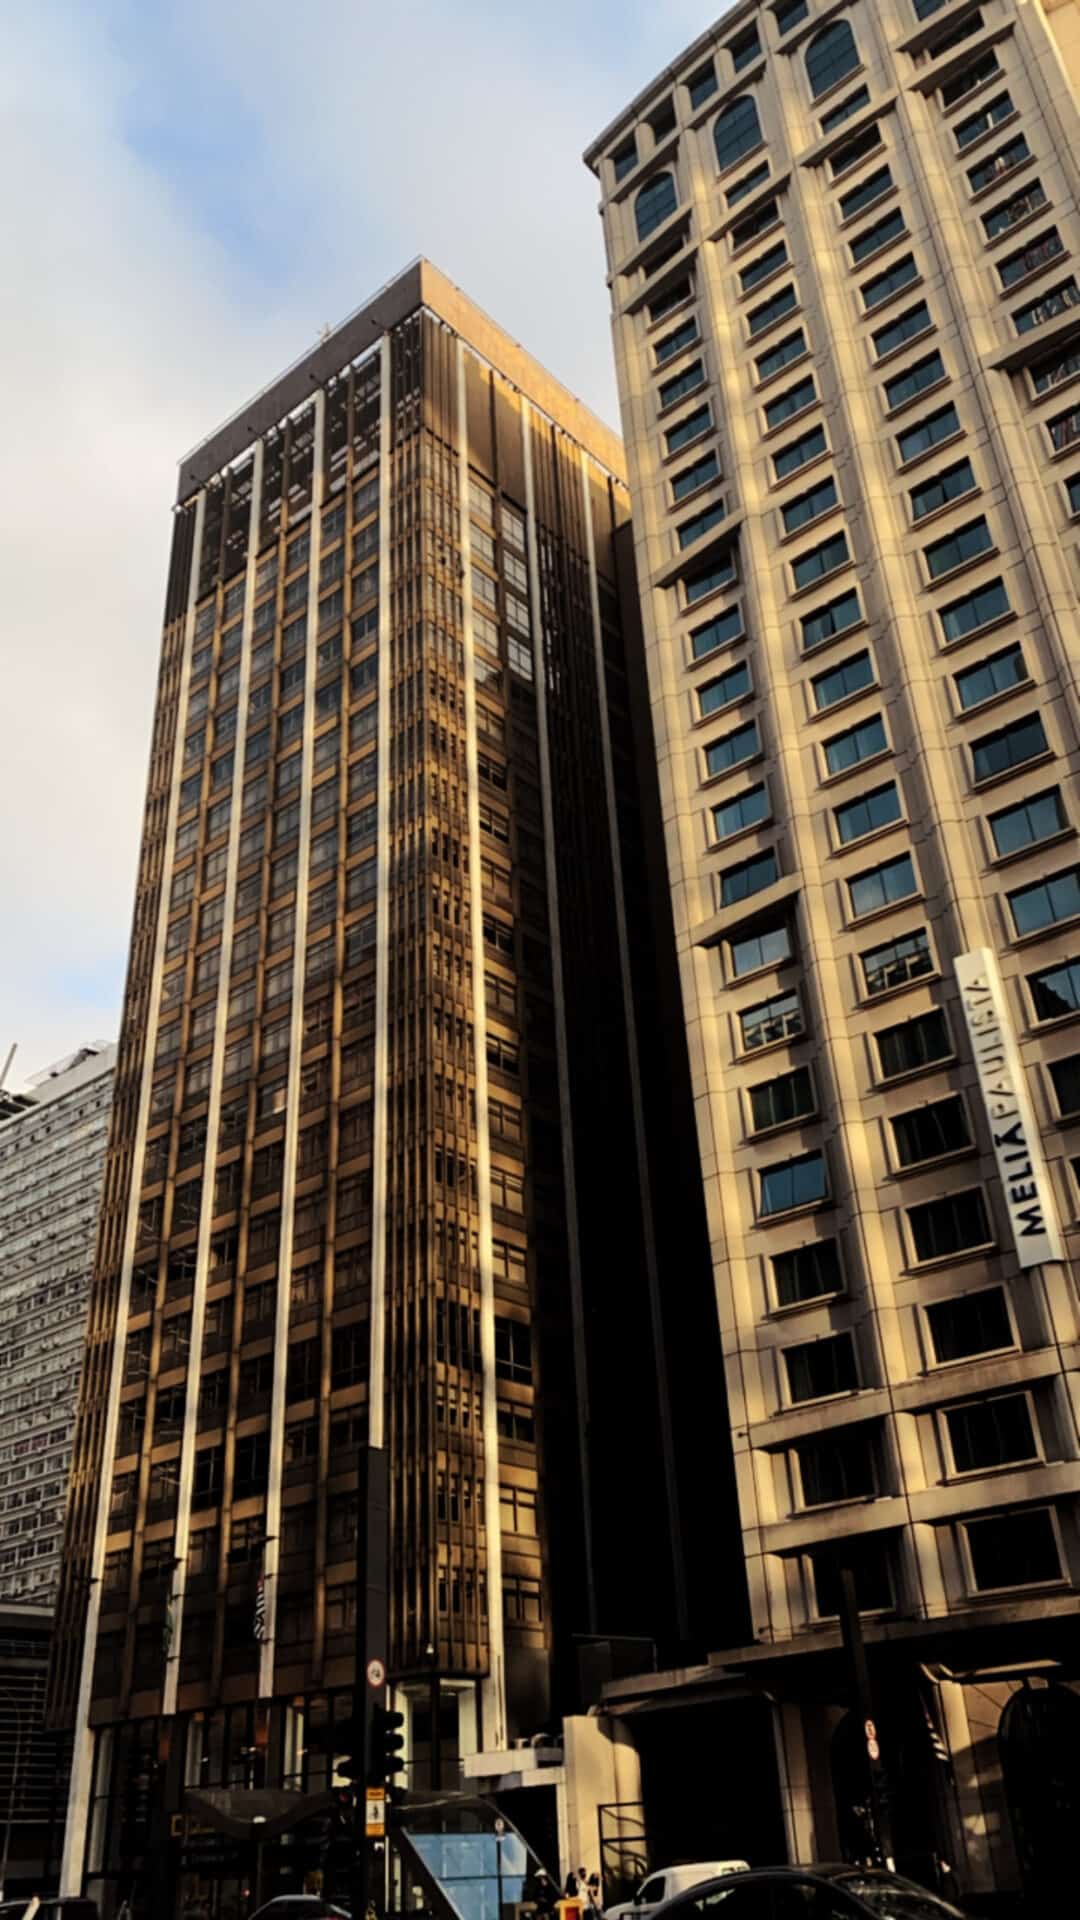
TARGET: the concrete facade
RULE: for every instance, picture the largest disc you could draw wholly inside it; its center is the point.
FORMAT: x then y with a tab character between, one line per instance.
52	1159
841	246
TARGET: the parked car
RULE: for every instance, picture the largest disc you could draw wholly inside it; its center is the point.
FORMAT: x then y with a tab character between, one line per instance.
810	1893
52	1906
664	1885
297	1906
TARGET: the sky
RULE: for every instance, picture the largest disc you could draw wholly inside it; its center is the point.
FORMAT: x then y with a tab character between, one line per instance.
193	192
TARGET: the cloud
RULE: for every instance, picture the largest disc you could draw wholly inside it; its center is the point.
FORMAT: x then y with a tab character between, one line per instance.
199	189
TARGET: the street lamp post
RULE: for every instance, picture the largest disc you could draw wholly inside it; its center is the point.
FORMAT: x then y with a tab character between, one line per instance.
7	1695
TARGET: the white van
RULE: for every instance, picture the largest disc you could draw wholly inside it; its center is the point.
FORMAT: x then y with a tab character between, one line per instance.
658	1887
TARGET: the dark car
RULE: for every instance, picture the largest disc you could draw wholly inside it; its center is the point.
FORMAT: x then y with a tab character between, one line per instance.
298	1906
809	1893
52	1907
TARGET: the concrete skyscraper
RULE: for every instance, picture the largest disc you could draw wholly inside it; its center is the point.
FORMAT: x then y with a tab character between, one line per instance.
380	1109
842	247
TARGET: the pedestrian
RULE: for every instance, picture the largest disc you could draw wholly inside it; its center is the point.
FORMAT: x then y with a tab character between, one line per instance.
593	1892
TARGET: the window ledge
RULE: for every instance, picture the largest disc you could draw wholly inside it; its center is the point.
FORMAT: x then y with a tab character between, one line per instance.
902	986
744	209
798	1213
761	234
886	1082
831	640
715	653
1042	212
669	459
744	1058
993	780
807	526
753	340
1051	264
698	493
859	767
729	172
664	369
713	780
963	1477
782	426
671	407
939	446
896	293
774	273
970	1152
771	379
1051	1026
857	921
931	583
741	833
939	1261
780	1312
978	633
700	720
845	225
905	346
1050	932
821	579
1033	847
835	142
758	1134
654	326
938	513
836	87
904	406
868	839
881	250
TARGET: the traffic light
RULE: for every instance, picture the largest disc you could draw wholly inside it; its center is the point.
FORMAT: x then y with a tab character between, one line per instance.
386	1746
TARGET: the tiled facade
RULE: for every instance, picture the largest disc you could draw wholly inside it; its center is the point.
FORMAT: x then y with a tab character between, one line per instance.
52	1158
842	244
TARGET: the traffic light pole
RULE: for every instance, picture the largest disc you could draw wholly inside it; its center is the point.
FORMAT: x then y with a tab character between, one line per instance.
855	1648
369	1691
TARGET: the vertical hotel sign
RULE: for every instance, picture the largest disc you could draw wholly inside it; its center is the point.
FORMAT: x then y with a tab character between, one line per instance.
1020	1162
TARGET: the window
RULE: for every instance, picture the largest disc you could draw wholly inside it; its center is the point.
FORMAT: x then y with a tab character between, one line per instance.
702	84
771	311
755	223
846	110
691	427
744	51
858	149
1029	259
821	1367
1065	1080
951	1225
835	617
881	234
924	8
673	343
840	682
748	184
1013	154
1072	487
929	433
992	115
747	809
795	400
1064	429
830	57
801	1182
671	298
749	877
766	263
969	1324
624	159
709	579
1039	818
966	81
1055	991
1008	747
914	1044
941	488
1008	214
809	506
702	523
780	356
799	453
870	1566
882	886
998	674
865	193
837	1466
914	380
898	332
730	686
868	814
1013	1550
767	946
789	13
737	131
968	542
718	632
655	202
845	750
975	610
735	748
930	1131
775	1103
780	1018
699	475
691	378
1047	307
991	1433
807	1272
1046	903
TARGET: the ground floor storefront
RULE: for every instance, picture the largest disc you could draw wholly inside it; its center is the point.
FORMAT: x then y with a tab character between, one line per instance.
962	1764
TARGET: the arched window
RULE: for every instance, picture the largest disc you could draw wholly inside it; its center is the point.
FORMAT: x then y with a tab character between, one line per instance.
830	56
656	200
737	131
